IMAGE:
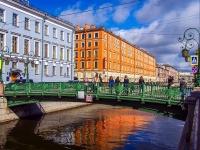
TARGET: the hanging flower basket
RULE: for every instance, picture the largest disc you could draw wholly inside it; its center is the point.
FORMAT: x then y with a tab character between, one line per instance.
32	64
185	52
7	62
187	59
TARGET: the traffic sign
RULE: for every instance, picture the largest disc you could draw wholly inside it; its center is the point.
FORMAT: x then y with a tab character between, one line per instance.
193	60
194	69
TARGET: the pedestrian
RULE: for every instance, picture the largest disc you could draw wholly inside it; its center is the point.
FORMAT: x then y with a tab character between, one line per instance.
100	81
117	80
183	86
141	82
111	83
85	80
170	81
126	83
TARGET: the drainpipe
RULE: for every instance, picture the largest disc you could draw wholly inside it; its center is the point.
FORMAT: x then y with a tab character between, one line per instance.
72	55
42	67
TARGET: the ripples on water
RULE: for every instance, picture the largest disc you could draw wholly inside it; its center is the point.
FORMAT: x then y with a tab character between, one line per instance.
93	127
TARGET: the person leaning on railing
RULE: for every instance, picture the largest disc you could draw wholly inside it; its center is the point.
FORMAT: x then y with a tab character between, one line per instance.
141	82
183	86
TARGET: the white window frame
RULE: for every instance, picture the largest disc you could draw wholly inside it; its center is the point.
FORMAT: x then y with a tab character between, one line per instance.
54	70
38	48
62	49
27	23
36	69
2	17
38	27
15	22
82	62
17	47
28	46
4	41
96	43
46	30
54	46
54	33
46	70
96	63
47	50
62	35
61	71
68	55
76	52
68	38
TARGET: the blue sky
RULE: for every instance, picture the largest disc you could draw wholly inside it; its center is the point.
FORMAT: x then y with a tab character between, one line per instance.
153	25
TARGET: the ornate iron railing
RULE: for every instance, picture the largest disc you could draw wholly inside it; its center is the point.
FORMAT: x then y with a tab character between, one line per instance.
154	93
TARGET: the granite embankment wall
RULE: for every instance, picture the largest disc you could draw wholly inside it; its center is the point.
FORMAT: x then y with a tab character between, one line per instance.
16	112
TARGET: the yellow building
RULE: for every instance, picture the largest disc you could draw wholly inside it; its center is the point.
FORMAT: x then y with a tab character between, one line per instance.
98	50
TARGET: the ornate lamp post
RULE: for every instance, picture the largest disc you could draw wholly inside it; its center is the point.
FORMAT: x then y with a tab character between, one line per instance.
189	40
30	54
4	50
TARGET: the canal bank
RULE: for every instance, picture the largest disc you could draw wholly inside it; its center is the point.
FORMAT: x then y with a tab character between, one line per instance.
35	109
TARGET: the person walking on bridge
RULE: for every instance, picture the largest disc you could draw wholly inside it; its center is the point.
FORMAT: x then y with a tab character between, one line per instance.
183	86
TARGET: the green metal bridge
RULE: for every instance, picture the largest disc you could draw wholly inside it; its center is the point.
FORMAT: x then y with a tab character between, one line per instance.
26	93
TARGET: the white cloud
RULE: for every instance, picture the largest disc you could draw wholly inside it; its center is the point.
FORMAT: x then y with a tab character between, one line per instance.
121	14
160	36
97	17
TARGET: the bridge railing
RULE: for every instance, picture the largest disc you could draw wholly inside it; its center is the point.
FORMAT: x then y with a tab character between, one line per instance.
157	93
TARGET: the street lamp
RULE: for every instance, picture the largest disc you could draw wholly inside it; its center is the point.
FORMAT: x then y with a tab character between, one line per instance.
6	50
30	54
189	40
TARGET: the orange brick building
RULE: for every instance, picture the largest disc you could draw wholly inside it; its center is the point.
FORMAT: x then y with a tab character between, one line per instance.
98	50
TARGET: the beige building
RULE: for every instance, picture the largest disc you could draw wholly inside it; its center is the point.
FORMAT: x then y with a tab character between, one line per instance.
161	73
172	72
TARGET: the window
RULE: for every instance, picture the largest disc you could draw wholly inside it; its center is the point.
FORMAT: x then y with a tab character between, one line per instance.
89	36
46	48
54	70
46	30
82	54
96	53
82	44
96	35
2	15
45	69
76	65
54	32
37	49
68	54
95	43
67	71
14	65
83	36
82	64
15	19
61	35
26	46
95	64
76	36
61	53
89	54
27	23
68	37
2	40
36	69
76	45
14	44
54	52
76	54
37	27
61	70
89	44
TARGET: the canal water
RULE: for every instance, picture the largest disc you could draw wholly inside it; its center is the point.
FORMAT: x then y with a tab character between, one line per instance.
94	127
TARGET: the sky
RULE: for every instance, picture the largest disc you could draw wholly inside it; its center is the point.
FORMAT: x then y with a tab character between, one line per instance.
152	25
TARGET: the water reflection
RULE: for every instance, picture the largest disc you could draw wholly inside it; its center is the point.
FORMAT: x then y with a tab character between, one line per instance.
96	127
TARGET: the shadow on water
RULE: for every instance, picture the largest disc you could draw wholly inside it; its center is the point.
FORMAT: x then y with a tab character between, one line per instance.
175	112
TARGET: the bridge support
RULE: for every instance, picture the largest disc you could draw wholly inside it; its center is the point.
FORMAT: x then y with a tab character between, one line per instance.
6	114
190	138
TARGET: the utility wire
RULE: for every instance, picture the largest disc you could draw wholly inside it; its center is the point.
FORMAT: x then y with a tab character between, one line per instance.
101	8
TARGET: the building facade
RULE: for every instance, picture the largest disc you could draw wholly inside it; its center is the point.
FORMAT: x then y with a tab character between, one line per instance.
33	38
162	73
172	72
188	76
98	50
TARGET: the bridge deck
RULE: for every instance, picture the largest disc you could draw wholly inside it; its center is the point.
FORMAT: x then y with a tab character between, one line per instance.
152	93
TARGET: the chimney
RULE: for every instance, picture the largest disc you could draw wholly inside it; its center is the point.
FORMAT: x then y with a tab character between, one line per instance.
78	27
93	26
87	26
